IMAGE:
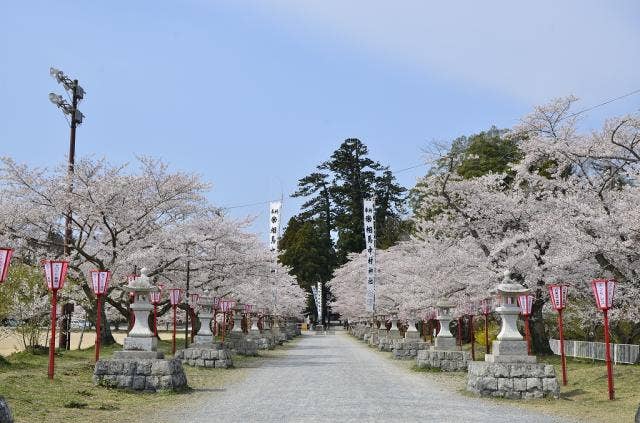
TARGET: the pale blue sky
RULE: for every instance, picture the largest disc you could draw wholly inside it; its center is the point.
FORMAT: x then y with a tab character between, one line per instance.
253	94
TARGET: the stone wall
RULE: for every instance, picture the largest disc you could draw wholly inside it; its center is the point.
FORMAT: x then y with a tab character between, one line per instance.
406	349
206	356
512	380
447	361
140	375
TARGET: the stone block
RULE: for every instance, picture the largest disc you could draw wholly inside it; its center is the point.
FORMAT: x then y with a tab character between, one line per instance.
513	395
551	386
488	383
102	368
509	348
144	368
505	384
534	383
549	371
151	383
520	384
161	367
165	382
138	383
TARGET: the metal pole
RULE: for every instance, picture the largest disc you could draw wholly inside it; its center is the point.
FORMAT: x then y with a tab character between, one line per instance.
99	315
52	342
72	157
608	356
155	320
173	348
186	325
563	359
527	333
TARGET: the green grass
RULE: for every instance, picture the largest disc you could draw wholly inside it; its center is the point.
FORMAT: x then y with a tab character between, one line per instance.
71	395
586	397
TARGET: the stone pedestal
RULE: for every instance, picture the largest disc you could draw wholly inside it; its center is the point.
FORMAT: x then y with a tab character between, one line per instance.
512	380
206	355
241	344
394	332
139	366
447	361
408	348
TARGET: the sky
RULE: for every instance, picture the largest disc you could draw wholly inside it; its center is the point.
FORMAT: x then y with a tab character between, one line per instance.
252	95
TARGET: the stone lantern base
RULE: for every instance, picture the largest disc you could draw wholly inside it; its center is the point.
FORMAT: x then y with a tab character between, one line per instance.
143	373
373	339
206	355
513	380
408	348
241	344
447	361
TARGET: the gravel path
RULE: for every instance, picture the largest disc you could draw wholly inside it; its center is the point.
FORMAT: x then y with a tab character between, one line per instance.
334	378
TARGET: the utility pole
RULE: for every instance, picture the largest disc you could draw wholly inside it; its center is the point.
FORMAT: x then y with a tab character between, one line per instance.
75	118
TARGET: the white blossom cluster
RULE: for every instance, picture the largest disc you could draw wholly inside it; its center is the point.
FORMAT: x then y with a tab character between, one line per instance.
568	211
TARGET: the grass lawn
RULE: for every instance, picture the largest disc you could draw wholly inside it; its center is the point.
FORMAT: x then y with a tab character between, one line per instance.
71	396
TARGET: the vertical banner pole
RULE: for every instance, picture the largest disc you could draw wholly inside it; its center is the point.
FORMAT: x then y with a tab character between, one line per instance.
370	247
473	339
155	319
486	333
527	333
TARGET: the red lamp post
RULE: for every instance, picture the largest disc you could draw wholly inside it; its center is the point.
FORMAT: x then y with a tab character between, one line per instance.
603	291
55	273
525	302
175	295
248	308
216	307
156	298
5	260
225	307
485	309
100	283
193	299
558	294
459	332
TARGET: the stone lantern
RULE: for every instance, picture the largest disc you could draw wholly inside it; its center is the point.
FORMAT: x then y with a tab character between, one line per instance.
204	335
509	371
444	339
510	346
412	332
139	366
382	330
237	318
140	337
394	332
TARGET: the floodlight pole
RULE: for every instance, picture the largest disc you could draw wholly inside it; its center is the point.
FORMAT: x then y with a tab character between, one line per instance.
72	159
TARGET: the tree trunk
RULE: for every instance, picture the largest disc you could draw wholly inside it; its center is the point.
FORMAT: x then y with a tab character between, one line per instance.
539	336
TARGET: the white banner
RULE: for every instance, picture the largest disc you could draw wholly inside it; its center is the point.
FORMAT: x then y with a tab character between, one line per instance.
319	301
370	247
274	225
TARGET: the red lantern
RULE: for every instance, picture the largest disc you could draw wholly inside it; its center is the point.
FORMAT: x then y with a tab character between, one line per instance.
248	308
100	284
558	294
55	273
525	302
603	292
175	295
5	260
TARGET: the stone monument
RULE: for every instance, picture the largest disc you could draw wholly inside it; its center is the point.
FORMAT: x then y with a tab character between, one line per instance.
139	366
509	371
444	354
205	352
